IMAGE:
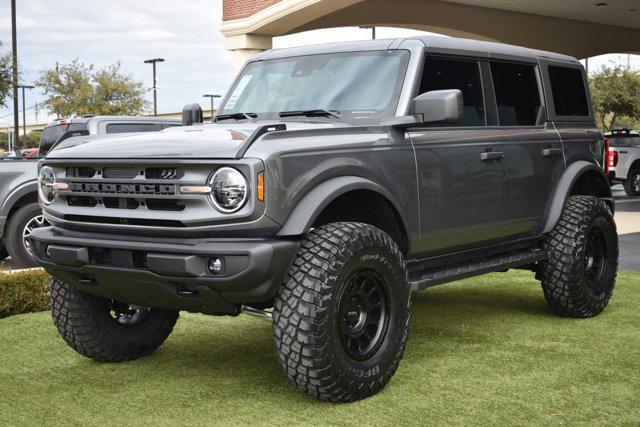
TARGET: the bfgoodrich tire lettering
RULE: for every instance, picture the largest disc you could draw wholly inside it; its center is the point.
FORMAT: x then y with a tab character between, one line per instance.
580	274
307	313
84	321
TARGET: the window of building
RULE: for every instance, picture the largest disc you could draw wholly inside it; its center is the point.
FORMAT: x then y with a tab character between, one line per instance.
569	92
517	94
440	74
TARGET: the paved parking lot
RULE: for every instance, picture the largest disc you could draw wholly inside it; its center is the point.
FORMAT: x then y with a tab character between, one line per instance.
627	219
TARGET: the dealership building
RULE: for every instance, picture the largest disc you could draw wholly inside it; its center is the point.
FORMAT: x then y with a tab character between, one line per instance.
580	28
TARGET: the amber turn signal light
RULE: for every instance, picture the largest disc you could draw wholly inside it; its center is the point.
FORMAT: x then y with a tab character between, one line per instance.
261	186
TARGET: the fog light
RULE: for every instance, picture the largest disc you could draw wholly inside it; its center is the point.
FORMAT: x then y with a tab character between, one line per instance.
47	251
215	265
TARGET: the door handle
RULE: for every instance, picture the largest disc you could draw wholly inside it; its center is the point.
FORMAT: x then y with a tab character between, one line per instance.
488	156
551	152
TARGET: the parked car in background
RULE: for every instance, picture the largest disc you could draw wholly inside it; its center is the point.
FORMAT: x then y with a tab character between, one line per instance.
623	159
25	153
19	210
335	180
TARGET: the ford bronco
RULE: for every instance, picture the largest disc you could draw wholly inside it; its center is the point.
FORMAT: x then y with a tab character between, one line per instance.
334	181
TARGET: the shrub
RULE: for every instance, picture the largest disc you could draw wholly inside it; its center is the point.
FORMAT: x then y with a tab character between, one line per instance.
23	292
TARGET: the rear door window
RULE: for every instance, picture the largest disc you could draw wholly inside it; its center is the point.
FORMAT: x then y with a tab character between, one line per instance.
132	127
517	94
440	73
569	91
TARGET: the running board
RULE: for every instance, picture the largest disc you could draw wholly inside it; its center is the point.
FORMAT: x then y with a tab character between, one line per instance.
426	278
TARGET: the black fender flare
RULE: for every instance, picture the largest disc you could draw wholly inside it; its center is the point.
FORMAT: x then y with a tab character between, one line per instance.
309	208
565	185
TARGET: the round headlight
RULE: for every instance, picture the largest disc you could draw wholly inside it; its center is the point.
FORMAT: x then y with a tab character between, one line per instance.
229	190
46	179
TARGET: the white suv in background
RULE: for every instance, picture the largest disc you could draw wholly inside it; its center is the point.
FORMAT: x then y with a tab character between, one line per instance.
623	159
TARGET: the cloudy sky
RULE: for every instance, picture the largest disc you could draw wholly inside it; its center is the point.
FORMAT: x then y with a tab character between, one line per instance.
185	33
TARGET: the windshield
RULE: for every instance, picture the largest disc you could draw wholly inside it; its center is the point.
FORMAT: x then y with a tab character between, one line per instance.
357	85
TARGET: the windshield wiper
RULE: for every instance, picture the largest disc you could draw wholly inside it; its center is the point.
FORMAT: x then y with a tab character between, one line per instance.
311	113
235	116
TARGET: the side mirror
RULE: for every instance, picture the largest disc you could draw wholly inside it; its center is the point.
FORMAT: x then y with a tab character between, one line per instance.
191	113
439	106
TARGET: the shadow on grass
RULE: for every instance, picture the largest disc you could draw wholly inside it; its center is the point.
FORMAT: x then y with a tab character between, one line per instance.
239	353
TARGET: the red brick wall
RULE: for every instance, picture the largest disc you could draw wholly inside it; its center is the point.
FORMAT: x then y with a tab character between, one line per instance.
236	9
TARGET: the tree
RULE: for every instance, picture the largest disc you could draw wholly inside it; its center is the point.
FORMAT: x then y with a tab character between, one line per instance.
79	89
615	92
5	77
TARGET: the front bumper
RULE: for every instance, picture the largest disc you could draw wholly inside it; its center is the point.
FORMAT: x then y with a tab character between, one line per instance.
166	273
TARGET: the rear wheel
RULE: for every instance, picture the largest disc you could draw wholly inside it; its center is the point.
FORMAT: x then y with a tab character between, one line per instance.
341	318
632	183
580	274
20	225
107	330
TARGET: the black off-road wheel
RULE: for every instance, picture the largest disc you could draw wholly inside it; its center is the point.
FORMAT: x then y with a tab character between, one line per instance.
107	330
580	274
20	225
341	317
632	183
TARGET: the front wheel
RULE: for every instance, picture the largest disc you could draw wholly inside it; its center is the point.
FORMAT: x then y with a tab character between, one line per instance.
341	317
580	274
632	183
19	228
107	330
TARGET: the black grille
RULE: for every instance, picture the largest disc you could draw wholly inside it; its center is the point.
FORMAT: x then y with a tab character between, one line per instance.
126	221
84	201
120	203
120	173
80	172
163	173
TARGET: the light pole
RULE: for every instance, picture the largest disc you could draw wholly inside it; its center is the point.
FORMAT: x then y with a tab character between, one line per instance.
212	96
24	108
14	49
155	87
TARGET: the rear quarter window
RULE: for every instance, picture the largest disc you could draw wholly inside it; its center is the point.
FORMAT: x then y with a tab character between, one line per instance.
569	91
132	127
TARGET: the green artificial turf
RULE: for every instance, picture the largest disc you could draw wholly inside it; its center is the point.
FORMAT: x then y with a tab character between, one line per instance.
484	350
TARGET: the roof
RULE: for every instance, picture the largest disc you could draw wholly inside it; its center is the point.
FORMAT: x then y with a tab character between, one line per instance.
86	119
434	44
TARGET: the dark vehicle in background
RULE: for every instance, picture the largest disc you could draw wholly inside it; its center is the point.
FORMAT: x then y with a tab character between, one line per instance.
19	210
623	159
334	181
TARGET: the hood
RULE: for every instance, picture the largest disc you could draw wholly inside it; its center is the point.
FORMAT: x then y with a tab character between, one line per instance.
213	141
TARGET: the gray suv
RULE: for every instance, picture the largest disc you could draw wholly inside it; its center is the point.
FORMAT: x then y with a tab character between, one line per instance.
19	210
335	181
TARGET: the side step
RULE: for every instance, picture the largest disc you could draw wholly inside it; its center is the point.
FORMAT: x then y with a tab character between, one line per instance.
422	279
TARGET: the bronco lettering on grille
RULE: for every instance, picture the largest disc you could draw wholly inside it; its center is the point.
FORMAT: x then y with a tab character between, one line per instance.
116	188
